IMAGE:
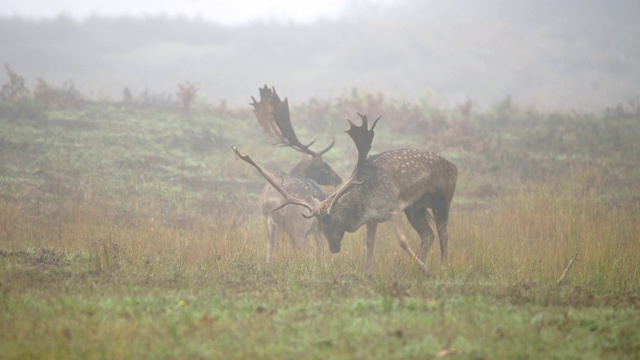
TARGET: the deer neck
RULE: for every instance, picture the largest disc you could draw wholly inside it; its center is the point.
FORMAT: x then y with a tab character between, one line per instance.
372	201
301	168
316	169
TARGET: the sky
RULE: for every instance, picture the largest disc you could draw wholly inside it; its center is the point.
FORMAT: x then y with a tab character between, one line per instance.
225	12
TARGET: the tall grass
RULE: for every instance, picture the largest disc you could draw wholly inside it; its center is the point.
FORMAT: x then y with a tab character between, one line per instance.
532	235
526	237
86	282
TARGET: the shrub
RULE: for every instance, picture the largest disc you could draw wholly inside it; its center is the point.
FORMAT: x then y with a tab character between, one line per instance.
14	90
64	97
187	93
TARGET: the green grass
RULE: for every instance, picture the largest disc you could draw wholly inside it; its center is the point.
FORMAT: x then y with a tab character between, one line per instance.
87	285
132	233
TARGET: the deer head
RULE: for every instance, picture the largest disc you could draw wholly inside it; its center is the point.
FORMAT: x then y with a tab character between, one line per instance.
333	227
335	220
273	115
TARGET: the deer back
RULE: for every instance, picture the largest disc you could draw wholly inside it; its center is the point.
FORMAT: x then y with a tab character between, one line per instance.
391	182
417	177
315	168
290	218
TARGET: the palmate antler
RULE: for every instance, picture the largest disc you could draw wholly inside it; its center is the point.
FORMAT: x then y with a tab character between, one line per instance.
271	180
273	115
363	137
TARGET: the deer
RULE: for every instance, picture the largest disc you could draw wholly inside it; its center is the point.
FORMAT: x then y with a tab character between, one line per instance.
303	180
382	187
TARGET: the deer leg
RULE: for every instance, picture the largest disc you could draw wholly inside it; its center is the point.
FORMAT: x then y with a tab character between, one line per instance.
419	220
299	236
402	240
317	235
297	241
369	242
305	241
441	215
271	230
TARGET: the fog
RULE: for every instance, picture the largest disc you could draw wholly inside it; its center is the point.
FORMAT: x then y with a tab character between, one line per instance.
569	55
221	12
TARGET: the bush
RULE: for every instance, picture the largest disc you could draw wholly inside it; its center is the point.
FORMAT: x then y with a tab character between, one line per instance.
15	90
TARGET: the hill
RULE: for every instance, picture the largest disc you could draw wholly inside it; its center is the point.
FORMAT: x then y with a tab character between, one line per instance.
579	55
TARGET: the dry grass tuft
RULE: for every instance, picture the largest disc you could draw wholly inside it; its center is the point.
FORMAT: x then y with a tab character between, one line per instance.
527	237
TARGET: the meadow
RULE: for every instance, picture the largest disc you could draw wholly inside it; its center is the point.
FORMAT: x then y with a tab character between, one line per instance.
129	230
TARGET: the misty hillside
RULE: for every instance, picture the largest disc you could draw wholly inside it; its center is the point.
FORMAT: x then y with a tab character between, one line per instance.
573	54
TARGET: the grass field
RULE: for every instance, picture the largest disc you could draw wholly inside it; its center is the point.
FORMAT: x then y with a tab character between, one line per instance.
132	232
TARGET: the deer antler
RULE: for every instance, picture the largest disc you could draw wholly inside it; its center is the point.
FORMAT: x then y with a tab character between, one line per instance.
273	115
265	113
363	137
271	180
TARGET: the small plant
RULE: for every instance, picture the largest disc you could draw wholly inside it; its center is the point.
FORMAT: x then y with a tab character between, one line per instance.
127	97
15	89
465	109
151	99
15	99
65	97
187	93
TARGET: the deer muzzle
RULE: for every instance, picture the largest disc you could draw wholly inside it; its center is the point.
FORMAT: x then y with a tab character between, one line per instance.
334	247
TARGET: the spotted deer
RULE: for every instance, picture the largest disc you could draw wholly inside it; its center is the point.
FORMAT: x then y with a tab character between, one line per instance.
302	180
380	188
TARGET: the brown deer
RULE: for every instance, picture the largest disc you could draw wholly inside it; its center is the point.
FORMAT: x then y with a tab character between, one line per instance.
380	188
303	179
